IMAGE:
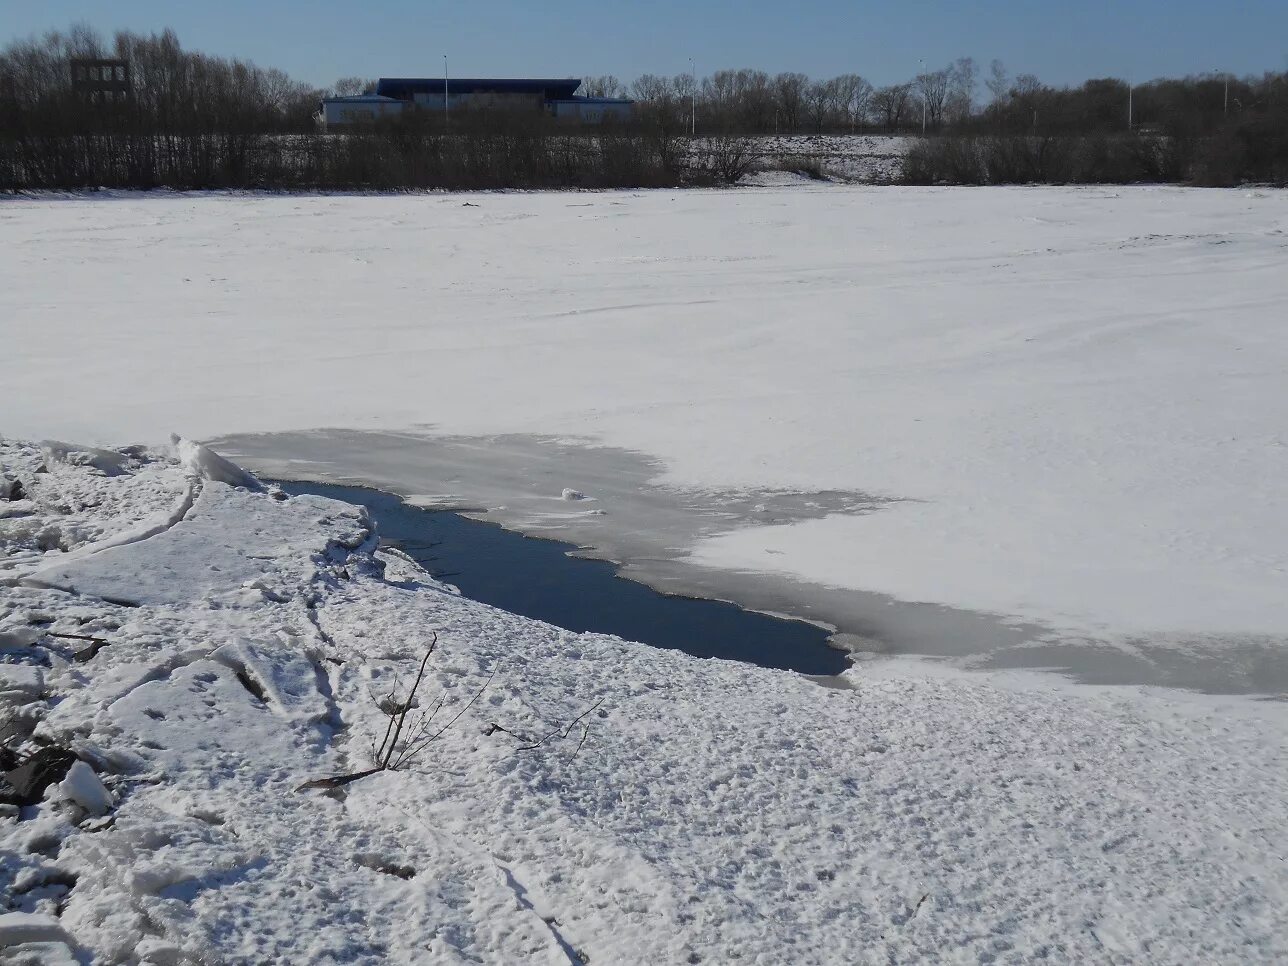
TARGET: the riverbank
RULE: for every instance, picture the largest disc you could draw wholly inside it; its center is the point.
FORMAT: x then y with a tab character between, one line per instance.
590	800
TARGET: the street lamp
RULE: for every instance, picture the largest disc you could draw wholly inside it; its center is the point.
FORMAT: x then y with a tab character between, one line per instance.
922	62
693	100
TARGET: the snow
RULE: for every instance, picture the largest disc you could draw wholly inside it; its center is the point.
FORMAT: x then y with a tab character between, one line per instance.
17	928
203	462
860	157
1067	405
679	810
81	785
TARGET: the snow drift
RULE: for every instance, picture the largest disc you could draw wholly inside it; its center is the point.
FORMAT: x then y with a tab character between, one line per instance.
703	812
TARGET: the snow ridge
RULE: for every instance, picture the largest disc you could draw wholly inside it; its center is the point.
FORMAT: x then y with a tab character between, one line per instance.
709	811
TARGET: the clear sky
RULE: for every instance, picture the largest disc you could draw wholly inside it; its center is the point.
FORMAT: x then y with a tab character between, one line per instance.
1061	42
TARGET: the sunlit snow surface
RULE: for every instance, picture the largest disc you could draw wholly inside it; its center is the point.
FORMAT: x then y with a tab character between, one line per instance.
706	812
1066	407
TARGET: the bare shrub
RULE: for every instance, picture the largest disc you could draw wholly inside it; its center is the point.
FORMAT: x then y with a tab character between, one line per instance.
723	159
945	161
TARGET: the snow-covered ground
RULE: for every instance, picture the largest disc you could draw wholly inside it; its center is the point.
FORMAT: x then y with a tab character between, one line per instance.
1064	407
205	648
853	157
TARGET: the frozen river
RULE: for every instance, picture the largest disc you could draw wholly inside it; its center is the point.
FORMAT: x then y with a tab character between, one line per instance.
1036	427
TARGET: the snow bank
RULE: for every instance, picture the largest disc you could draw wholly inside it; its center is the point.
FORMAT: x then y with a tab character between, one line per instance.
591	800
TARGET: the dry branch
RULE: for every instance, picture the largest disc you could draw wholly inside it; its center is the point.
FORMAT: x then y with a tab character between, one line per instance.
387	756
566	731
385	753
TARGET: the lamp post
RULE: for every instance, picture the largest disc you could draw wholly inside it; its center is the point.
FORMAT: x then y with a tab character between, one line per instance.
445	118
1225	100
923	97
693	100
1129	104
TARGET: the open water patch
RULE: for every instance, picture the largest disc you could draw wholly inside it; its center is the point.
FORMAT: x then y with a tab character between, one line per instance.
542	579
644	527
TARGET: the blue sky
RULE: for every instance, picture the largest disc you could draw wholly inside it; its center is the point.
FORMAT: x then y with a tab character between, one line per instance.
1061	42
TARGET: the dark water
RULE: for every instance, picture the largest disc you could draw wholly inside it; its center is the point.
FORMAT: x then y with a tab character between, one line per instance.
537	578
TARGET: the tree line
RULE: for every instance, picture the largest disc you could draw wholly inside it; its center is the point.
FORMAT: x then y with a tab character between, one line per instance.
754	102
192	120
992	127
1209	129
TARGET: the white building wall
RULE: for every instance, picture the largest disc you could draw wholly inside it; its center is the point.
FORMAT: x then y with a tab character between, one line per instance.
338	113
592	112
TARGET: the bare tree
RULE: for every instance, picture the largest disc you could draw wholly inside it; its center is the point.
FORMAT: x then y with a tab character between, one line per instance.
738	100
961	89
854	95
820	103
351	86
606	85
998	83
684	87
789	95
890	105
652	89
1027	95
932	88
755	100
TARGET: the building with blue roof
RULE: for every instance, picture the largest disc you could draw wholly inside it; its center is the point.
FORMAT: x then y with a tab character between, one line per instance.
555	96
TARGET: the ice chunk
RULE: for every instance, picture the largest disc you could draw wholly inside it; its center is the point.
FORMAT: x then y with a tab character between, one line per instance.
83	787
159	952
17	928
106	461
21	682
204	462
572	494
19	637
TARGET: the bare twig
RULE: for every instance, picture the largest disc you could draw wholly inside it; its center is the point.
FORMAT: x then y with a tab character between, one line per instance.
397	719
585	733
379	753
78	637
422	726
415	748
337	781
411	698
388	758
566	731
493	728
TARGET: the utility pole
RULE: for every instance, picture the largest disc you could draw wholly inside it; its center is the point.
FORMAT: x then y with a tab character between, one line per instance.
445	118
1129	104
923	97
693	100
